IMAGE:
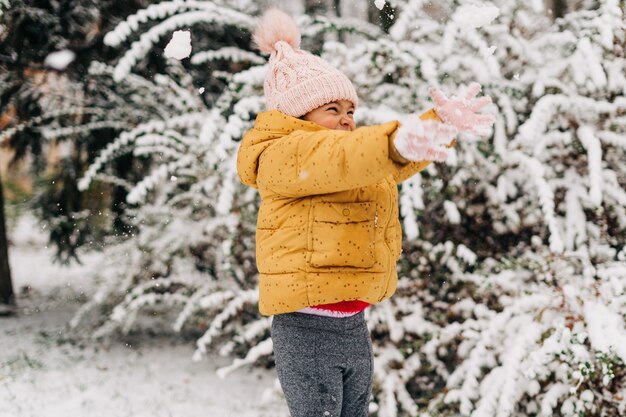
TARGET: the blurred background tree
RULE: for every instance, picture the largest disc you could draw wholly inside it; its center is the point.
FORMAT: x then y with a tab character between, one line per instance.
50	112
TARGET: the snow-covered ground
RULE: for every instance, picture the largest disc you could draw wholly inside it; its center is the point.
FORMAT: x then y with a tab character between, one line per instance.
43	373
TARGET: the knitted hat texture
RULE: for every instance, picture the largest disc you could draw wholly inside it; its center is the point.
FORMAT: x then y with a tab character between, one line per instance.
296	81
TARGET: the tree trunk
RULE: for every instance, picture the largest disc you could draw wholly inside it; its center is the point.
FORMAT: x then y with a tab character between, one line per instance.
7	298
316	8
337	7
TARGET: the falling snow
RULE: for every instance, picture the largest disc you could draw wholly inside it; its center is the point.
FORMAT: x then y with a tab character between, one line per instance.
59	60
179	47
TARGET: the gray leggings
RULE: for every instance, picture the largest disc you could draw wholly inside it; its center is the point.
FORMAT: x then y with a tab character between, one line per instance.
324	364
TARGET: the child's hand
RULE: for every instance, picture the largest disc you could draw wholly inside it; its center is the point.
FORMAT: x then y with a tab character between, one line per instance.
460	112
424	140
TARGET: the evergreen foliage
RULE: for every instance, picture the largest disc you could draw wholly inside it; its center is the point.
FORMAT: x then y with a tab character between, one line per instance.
46	103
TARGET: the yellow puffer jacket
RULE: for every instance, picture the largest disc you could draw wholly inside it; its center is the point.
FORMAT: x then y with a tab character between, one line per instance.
328	227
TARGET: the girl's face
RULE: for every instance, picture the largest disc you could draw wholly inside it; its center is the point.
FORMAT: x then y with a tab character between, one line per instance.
337	115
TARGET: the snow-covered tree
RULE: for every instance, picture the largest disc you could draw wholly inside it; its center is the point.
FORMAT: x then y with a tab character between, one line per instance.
504	294
194	248
512	293
49	105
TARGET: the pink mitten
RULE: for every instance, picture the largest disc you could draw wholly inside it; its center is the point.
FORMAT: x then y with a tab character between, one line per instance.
460	112
424	140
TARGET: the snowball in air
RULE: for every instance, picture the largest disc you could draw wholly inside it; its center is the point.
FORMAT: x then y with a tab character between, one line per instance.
379	4
179	46
59	60
475	16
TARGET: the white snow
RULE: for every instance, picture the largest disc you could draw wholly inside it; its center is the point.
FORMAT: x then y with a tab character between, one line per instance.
44	374
489	51
379	4
452	212
201	90
475	16
59	60
179	47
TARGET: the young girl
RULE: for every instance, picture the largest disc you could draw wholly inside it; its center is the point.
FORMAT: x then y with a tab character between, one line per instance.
328	234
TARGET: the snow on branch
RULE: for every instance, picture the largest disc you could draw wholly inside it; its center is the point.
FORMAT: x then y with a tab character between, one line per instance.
141	47
182	15
411	11
233	307
165	171
169	8
228	53
536	171
547	107
311	26
594	158
411	200
126	143
606	329
264	348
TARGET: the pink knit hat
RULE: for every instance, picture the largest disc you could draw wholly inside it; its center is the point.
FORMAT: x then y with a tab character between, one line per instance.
296	81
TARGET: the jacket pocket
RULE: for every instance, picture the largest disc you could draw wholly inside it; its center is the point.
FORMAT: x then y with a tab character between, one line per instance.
343	234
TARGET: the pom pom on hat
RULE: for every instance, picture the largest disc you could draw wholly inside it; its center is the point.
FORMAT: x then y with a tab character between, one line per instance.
276	25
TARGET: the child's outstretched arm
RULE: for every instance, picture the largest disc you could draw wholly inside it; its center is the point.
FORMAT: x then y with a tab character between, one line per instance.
327	161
